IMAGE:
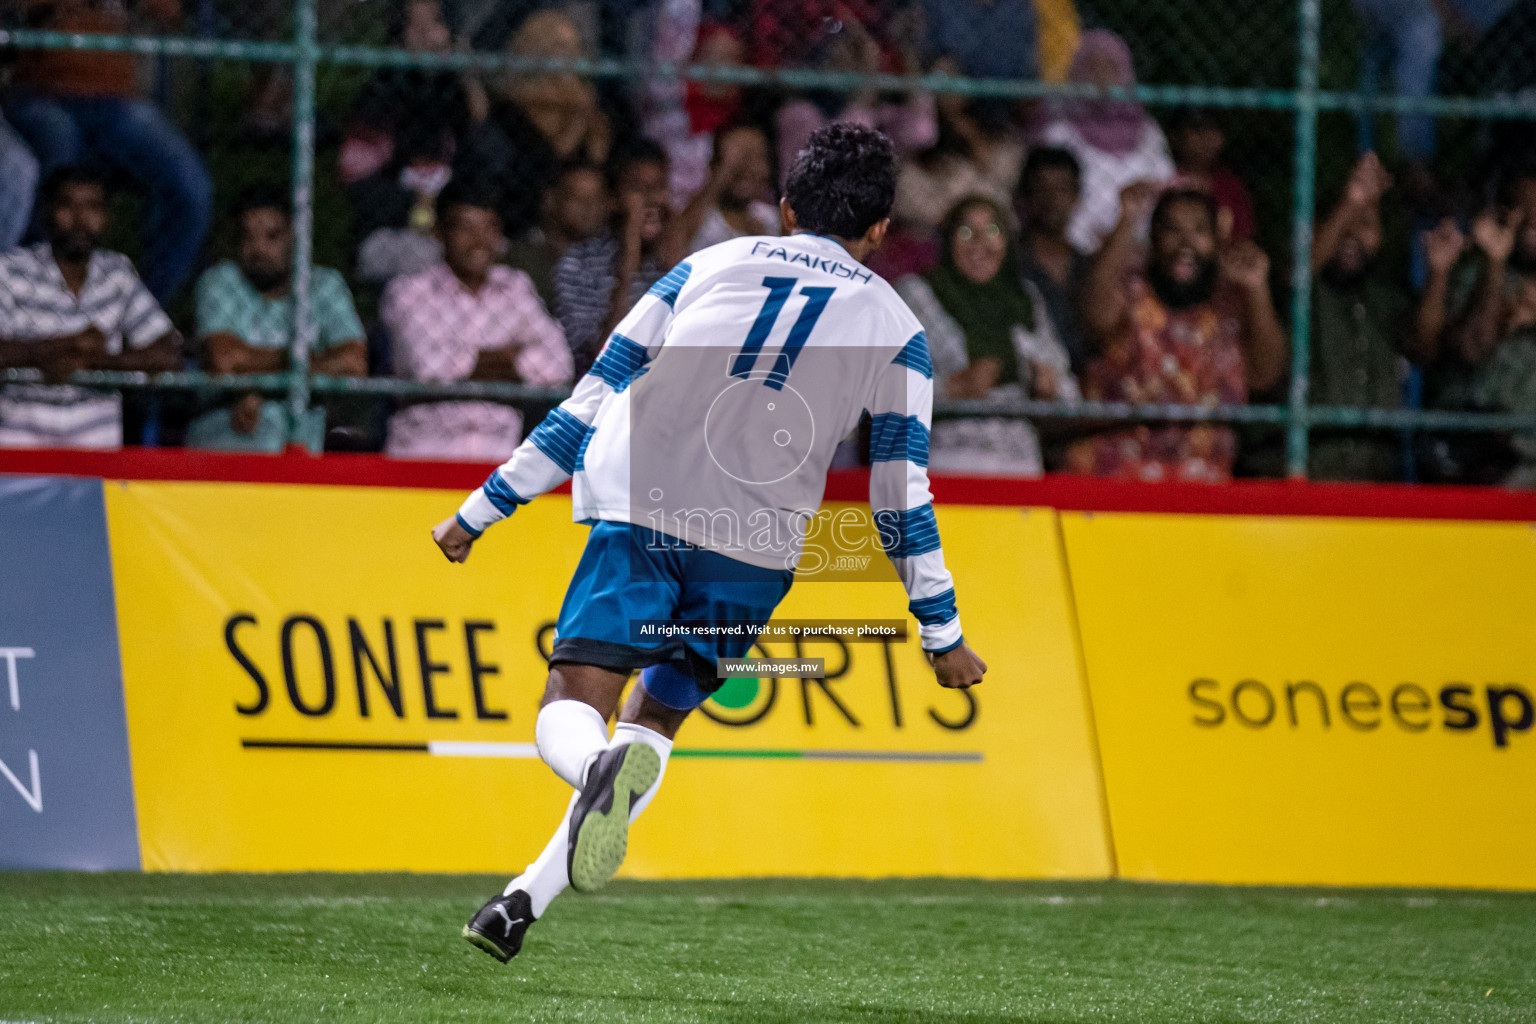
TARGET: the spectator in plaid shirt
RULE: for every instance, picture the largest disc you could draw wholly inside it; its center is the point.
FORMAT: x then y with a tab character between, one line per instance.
468	318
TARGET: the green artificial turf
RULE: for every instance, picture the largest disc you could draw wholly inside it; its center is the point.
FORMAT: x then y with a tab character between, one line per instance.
386	948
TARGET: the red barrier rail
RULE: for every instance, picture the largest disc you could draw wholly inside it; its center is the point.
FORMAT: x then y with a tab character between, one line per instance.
1243	497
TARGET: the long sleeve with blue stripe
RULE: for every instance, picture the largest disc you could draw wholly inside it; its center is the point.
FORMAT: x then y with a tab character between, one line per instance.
901	420
552	453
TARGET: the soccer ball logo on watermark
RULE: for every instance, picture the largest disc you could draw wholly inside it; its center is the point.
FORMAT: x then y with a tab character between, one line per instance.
759	429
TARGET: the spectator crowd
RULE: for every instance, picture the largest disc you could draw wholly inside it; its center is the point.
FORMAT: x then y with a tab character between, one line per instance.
502	223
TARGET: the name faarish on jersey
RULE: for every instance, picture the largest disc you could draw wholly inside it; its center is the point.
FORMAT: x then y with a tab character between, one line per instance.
836	268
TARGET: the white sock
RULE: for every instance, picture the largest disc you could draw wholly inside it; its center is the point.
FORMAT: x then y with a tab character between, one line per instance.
570	734
628	732
548	876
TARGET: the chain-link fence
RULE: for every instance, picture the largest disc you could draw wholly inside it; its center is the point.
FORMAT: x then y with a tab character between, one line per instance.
406	225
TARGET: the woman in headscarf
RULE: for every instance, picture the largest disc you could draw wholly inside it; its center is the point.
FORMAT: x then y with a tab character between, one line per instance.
537	122
990	339
1114	140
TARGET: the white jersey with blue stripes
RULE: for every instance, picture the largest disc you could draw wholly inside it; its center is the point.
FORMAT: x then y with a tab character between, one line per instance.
715	407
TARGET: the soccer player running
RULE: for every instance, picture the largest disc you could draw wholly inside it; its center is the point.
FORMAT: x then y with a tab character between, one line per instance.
698	447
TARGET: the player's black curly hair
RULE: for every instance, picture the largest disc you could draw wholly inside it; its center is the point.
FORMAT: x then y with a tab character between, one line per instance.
843	182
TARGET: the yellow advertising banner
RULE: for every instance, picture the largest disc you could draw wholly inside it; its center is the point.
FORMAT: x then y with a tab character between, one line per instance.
1312	700
311	686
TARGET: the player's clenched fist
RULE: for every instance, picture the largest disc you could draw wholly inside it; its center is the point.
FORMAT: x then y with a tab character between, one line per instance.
453	539
959	668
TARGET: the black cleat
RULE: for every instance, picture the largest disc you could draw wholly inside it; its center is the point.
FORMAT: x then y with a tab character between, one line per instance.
600	823
498	927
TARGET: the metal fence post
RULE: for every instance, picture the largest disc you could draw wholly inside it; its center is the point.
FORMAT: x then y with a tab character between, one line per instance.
305	59
1301	236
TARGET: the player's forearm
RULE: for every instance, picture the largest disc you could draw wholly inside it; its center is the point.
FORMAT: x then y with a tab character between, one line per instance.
904	518
498	498
914	551
547	458
931	600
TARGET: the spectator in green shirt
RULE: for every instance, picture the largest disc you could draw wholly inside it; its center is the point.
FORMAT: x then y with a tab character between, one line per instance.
1367	327
245	322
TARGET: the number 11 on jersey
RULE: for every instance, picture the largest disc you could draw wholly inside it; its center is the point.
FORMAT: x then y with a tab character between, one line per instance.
779	291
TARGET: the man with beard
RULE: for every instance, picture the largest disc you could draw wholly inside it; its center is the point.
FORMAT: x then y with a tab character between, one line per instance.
245	325
67	305
1364	324
1187	325
1490	358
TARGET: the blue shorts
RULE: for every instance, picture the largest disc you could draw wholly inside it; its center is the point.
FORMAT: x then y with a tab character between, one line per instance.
625	576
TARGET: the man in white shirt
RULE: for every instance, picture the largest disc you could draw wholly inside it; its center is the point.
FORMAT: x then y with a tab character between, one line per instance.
68	305
699	445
